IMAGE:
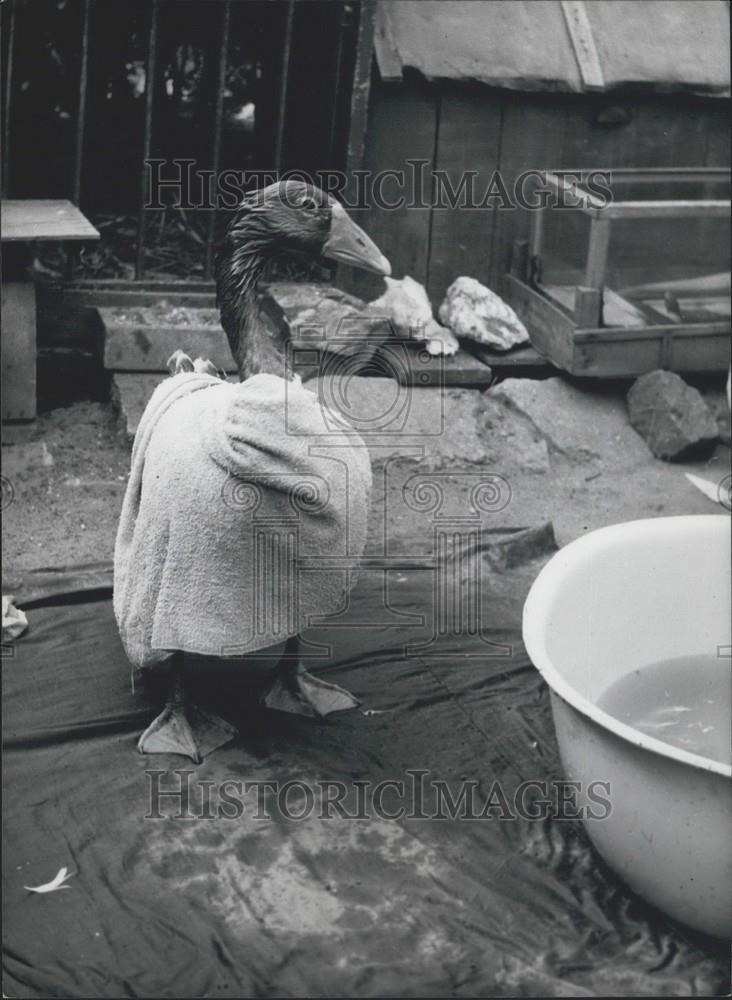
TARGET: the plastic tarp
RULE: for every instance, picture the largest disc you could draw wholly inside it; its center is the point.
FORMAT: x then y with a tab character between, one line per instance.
526	44
177	896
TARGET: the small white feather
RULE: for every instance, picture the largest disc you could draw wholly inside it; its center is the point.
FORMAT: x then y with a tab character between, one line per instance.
56	883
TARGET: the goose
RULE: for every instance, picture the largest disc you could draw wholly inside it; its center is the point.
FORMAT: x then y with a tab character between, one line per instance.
284	217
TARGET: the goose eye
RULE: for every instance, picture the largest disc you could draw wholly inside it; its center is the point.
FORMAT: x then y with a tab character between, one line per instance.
308	204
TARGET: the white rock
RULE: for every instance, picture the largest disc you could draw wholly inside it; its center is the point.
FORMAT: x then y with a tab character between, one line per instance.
440	340
474	311
406	304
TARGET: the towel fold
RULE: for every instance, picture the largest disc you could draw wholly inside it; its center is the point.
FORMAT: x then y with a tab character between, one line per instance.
244	517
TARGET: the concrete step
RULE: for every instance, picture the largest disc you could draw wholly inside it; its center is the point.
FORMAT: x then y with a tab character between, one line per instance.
130	394
143	338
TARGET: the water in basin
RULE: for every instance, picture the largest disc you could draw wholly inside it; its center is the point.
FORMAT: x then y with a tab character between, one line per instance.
685	702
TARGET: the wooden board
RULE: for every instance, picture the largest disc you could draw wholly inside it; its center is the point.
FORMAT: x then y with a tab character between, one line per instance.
386	52
691	310
716	134
702	347
506	361
360	90
702	285
102	297
410	364
18	351
402	126
123	292
583	43
616	311
531	138
550	328
691	209
462	238
164	287
40	219
613	352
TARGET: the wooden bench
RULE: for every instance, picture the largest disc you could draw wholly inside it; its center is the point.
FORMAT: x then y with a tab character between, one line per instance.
25	221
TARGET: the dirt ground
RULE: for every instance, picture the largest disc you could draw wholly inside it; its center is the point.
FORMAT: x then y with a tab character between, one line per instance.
63	484
64	480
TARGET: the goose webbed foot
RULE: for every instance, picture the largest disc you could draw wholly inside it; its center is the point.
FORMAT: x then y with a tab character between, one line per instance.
185	729
300	693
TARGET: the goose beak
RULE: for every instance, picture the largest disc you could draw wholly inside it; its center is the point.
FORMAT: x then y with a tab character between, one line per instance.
349	244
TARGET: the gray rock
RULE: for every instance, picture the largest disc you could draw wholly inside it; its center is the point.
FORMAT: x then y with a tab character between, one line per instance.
671	416
323	317
585	426
511	441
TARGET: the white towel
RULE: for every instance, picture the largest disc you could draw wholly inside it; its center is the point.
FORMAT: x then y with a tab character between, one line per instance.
245	516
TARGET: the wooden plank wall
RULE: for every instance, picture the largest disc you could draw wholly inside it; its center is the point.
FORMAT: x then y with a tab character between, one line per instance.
457	127
400	128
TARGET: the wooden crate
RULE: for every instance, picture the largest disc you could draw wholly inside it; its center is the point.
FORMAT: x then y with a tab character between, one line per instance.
587	327
617	351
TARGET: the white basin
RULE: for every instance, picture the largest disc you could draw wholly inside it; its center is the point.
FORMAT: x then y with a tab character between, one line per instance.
611	602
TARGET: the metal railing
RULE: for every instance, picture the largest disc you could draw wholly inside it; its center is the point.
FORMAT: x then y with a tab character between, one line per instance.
219	36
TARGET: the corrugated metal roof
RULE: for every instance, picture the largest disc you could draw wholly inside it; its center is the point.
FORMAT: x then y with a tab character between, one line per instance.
565	45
